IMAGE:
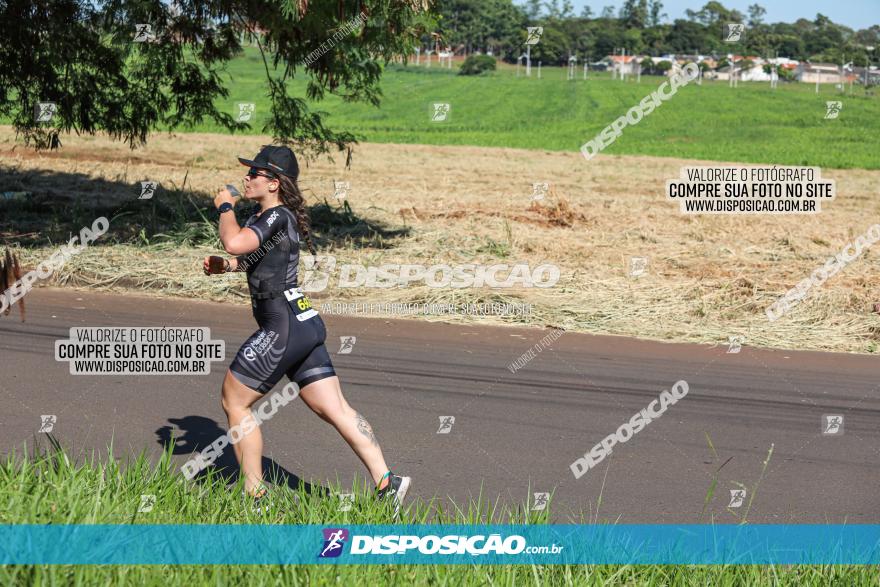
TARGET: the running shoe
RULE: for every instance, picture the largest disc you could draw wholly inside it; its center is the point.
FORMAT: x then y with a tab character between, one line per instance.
395	491
260	499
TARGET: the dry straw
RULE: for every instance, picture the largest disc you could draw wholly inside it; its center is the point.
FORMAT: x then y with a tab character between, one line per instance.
708	277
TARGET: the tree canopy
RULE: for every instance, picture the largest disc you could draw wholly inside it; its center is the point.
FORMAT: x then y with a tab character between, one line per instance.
640	26
83	56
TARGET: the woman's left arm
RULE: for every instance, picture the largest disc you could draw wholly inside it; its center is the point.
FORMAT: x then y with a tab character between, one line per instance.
235	240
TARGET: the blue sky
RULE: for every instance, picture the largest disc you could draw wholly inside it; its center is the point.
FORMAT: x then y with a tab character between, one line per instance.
856	14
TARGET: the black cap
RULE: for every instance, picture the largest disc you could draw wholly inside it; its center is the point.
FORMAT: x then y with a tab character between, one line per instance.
275	158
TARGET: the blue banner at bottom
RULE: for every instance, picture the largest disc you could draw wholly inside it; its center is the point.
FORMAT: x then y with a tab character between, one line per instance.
439	544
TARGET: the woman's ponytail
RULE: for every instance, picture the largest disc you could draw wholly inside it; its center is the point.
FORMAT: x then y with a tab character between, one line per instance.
292	198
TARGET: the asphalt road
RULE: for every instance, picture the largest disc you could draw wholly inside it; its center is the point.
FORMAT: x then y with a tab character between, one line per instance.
514	432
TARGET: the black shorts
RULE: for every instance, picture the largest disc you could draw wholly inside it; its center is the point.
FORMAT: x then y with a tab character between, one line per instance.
290	342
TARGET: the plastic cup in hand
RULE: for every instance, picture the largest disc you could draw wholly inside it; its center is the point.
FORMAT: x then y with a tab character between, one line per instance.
216	264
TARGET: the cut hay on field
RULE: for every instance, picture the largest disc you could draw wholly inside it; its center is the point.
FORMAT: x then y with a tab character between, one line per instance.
708	278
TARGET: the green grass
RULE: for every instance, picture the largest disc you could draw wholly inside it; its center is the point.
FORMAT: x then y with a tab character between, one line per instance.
751	123
50	487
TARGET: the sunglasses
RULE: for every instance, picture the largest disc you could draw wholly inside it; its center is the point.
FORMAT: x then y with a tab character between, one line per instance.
254	172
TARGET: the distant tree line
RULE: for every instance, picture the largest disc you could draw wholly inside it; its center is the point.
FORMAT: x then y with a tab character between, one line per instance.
642	27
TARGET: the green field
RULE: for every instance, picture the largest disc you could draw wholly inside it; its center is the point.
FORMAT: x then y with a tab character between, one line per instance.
751	123
54	488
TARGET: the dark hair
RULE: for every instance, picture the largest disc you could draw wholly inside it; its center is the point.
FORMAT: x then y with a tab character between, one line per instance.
292	199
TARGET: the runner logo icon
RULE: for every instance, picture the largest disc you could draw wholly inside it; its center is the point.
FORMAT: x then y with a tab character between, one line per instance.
334	540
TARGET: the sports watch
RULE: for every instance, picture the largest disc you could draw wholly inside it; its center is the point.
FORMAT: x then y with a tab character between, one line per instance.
225	207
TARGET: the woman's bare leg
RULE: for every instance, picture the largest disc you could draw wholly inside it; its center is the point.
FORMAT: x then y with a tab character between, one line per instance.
237	401
324	397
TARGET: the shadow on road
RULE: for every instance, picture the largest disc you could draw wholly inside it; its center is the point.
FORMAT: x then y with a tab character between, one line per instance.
195	433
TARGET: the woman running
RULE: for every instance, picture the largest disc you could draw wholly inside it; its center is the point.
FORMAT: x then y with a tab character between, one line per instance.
291	337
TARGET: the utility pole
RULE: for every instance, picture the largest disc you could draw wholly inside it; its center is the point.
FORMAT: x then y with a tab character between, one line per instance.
774	71
614	65
528	61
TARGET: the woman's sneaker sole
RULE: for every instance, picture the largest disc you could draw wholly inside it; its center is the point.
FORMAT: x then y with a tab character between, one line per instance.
401	492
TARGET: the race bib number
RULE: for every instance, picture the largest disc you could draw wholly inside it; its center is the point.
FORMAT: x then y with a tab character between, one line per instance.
304	303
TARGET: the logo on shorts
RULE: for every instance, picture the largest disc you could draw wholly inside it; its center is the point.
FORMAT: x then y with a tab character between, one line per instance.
260	344
334	540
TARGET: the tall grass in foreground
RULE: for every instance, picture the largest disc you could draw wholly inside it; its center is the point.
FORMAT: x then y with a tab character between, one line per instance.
51	487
